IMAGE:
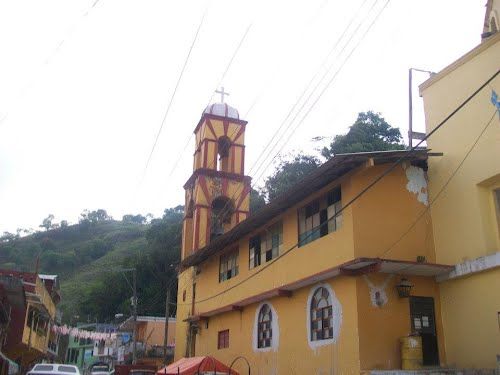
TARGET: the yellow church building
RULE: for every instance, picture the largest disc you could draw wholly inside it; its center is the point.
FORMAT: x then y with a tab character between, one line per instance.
325	280
305	285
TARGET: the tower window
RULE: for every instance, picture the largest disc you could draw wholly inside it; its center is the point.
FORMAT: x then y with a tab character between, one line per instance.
223	146
222	210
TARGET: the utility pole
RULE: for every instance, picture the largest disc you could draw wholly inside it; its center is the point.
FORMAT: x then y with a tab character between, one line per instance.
411	134
167	315
134	352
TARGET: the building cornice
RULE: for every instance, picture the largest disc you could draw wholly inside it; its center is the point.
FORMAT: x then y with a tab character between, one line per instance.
487	43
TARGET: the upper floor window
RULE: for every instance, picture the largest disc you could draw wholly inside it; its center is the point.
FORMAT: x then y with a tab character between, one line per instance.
317	219
321	315
266	245
264	329
223	339
228	267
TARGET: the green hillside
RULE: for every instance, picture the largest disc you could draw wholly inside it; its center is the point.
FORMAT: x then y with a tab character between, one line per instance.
86	256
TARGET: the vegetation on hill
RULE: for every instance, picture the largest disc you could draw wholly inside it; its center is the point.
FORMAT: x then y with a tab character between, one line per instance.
88	256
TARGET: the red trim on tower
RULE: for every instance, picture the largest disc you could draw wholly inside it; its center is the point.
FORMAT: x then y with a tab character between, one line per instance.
213	173
240	131
196	227
242	170
210	126
232	160
225	123
205	155
216	153
225	183
215	117
245	192
201	205
203	184
209	225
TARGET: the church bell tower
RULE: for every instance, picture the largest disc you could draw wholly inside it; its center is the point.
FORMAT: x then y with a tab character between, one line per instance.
217	193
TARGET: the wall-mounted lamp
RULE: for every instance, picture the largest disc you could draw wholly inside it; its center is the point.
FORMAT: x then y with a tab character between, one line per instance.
404	288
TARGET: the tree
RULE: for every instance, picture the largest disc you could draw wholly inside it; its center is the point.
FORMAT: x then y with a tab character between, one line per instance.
47	222
257	200
289	173
94	216
370	132
136	219
63	224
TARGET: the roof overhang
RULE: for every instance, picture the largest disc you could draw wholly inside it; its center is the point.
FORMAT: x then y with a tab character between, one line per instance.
330	171
355	267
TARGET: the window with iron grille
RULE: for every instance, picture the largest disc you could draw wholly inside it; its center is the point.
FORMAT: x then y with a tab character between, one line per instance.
264	329
223	339
318	218
266	245
228	267
321	315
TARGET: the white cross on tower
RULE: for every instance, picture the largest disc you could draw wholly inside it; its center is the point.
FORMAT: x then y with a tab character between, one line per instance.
222	93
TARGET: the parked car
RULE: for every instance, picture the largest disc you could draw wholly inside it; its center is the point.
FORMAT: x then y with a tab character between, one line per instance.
101	368
54	369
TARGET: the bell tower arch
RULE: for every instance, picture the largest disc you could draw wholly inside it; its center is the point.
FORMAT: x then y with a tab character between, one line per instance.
217	193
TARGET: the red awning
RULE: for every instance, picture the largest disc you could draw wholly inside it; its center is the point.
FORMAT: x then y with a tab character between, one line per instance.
190	366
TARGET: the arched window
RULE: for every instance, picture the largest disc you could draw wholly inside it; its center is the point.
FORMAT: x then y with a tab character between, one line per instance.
321	315
222	210
223	146
264	328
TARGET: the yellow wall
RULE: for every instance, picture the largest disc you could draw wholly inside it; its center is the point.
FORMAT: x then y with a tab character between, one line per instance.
470	306
463	217
459	227
385	213
381	327
294	355
153	332
367	230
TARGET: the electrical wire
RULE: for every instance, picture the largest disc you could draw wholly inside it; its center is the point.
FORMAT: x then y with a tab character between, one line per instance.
316	74
228	66
408	153
181	74
310	95
301	121
442	189
50	56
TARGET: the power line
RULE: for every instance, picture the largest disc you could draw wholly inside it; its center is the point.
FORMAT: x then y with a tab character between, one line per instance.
310	95
325	87
441	190
228	66
51	55
313	78
361	193
186	60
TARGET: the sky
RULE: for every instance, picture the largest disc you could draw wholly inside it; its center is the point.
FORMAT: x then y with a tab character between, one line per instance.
85	85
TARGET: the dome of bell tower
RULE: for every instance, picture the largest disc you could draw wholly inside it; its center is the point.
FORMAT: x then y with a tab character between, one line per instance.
223	110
